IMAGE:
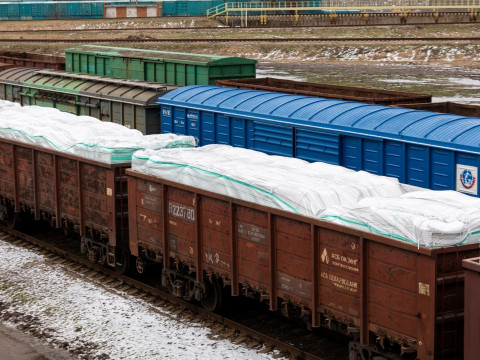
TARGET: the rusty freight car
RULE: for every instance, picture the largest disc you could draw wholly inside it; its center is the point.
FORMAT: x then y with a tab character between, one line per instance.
329	91
27	59
71	192
4	66
472	310
395	299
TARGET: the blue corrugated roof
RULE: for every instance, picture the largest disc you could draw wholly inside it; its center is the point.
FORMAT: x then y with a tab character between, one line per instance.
375	120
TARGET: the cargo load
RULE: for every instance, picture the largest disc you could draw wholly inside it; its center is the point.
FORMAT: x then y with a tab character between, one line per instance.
79	135
351	198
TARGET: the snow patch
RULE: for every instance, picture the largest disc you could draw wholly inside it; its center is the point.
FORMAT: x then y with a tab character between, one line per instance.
109	323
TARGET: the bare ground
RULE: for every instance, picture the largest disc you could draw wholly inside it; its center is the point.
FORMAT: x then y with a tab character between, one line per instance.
448	53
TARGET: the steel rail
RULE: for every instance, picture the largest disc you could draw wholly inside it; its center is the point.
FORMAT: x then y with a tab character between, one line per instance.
242	329
247	40
222	28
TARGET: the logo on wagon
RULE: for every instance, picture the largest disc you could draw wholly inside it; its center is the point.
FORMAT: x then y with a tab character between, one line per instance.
467	179
325	257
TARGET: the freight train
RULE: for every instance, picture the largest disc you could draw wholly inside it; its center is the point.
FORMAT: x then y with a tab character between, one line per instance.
84	9
394	298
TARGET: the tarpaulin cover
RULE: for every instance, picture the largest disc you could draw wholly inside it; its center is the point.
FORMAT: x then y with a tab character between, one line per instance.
83	136
356	199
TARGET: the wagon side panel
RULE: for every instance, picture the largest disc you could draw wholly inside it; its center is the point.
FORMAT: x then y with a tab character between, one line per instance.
215	236
95	202
7	189
146	212
45	174
68	190
293	260
472	310
24	175
339	276
182	227
393	288
253	243
450	302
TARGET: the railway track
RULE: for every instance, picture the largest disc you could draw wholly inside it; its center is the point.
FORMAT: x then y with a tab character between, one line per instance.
226	27
257	330
246	40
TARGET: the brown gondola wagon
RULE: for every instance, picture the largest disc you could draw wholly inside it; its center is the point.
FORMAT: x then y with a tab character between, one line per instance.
393	298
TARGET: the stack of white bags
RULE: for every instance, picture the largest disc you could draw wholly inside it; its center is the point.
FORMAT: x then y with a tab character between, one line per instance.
355	199
84	136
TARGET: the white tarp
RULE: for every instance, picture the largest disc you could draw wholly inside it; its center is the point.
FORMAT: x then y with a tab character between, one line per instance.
356	199
84	136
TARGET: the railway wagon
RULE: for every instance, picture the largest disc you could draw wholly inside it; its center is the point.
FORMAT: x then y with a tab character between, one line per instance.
392	297
421	148
129	103
472	311
4	66
349	93
45	10
48	10
156	66
352	93
190	8
19	58
448	107
84	9
71	192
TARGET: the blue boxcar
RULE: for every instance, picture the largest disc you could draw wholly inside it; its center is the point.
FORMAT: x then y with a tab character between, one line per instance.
421	148
44	10
189	7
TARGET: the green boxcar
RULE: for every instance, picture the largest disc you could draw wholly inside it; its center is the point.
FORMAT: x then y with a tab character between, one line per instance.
157	66
128	103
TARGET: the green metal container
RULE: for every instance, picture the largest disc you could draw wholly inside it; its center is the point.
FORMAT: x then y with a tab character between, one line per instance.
157	66
129	103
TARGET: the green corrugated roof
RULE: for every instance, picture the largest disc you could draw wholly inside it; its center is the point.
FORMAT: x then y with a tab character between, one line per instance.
165	56
97	87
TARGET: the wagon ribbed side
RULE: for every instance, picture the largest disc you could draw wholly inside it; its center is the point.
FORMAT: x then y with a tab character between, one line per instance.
73	193
381	291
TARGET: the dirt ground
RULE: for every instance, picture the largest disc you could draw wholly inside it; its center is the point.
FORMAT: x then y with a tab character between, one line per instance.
446	53
15	345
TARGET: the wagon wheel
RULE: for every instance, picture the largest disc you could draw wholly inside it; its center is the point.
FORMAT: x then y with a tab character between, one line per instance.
9	218
213	299
140	265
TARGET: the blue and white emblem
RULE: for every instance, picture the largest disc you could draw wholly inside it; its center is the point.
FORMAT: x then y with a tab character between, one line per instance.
467	179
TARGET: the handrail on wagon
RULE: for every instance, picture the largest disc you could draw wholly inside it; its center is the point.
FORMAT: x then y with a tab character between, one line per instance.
345	5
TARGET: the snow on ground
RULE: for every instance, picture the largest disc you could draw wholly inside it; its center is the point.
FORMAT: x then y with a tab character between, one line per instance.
459	85
267	72
466	81
102	323
446	54
457	99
